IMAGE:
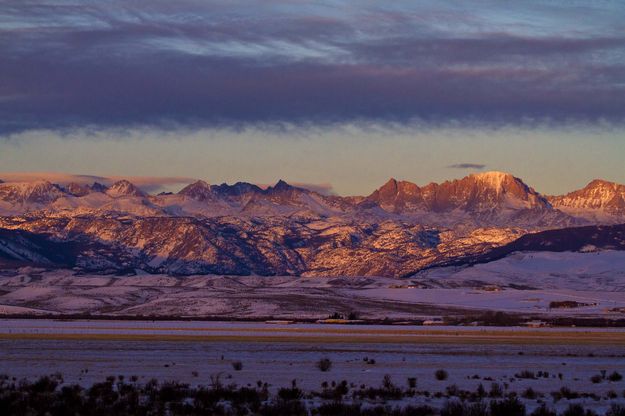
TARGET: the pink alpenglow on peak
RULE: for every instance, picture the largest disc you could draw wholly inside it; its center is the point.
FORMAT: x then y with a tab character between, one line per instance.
124	188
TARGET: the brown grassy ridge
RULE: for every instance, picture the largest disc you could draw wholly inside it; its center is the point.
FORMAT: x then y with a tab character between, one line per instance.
425	337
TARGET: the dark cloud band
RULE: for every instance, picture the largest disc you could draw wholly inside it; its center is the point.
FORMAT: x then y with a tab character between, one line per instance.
213	65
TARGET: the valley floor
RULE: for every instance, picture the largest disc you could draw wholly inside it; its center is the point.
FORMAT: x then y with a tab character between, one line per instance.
446	293
549	362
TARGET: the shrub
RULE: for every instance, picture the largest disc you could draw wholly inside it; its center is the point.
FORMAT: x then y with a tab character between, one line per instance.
282	408
324	364
339	409
452	408
564	392
576	409
292	393
476	409
543	410
387	383
441	375
352	316
616	410
615	376
412	382
507	407
423	410
596	379
453	390
498	319
529	393
390	390
237	365
526	375
457	408
495	390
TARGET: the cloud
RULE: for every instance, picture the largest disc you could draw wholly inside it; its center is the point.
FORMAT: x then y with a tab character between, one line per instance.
467	166
215	64
320	188
149	184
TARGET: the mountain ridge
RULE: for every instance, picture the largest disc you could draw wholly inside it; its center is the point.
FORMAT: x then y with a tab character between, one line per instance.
245	229
487	198
599	197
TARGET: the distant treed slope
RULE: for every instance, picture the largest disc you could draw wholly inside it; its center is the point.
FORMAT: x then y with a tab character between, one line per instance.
22	247
25	248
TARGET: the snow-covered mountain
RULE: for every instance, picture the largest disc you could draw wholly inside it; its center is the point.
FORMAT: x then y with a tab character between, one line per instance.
30	193
124	188
478	200
489	198
573	258
599	201
586	239
242	246
283	229
475	193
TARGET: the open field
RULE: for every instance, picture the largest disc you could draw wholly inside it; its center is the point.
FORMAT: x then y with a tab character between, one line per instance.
196	352
37	292
310	333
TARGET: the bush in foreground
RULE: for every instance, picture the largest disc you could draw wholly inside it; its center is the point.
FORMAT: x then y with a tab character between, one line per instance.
441	375
324	364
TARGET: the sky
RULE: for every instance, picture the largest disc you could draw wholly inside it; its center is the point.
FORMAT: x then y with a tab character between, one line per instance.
341	94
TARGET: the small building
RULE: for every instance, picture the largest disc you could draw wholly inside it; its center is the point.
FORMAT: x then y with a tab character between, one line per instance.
434	321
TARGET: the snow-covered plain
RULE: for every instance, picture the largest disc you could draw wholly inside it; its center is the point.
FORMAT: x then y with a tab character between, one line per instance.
588	271
522	282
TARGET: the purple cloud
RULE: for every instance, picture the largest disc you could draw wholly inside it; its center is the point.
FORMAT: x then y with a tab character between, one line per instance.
215	64
467	166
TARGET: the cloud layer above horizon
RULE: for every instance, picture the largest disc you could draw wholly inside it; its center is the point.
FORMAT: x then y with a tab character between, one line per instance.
117	64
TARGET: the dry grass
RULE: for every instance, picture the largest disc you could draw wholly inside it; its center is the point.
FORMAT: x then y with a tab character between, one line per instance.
332	335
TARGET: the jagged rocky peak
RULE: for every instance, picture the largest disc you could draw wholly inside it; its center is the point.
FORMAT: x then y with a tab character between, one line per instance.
124	188
398	196
238	189
389	189
234	194
40	191
501	186
199	190
281	184
394	187
473	193
598	194
495	179
98	187
77	189
286	194
597	183
501	182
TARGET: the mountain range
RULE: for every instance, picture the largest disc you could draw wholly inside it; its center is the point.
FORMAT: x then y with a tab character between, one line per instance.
397	230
